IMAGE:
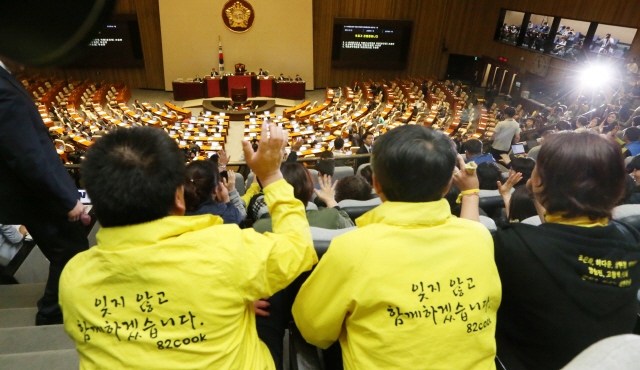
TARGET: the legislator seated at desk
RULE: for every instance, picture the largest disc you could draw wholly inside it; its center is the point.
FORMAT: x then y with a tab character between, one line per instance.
298	78
282	78
263	73
214	73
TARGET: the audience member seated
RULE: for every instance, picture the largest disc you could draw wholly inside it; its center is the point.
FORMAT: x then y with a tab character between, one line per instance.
524	166
631	144
473	152
338	147
533	152
573	280
204	194
367	173
300	178
158	281
488	176
11	237
385	296
353	188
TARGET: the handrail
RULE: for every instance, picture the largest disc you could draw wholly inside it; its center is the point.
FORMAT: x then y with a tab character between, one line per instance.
300	160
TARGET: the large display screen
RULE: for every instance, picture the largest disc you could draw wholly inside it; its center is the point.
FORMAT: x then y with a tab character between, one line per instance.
371	43
116	45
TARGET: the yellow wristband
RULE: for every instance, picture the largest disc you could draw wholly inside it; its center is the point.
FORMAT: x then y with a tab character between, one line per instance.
466	192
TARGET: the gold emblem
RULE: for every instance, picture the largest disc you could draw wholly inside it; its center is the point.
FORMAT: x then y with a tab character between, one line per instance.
238	15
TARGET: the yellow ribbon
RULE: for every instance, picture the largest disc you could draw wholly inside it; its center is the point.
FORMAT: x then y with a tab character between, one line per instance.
466	192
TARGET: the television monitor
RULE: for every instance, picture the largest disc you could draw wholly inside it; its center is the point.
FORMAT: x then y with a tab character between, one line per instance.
371	43
117	44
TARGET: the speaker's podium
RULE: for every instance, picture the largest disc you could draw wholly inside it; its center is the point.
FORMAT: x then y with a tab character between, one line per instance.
239	95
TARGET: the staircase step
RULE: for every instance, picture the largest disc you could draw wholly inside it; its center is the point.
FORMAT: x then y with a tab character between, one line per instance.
17	317
20	295
34	339
51	360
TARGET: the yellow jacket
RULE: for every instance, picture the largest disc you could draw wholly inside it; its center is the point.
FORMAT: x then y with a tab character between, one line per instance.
412	288
177	293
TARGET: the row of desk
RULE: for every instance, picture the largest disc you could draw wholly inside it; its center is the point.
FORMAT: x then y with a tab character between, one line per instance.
214	87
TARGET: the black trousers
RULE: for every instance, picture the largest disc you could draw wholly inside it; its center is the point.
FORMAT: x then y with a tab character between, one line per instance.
496	154
59	240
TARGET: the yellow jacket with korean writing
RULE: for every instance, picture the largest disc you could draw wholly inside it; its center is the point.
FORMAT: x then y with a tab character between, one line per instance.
177	292
412	288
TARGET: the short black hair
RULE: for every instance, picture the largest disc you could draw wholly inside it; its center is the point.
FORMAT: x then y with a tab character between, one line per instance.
132	176
634	164
510	112
582	121
525	166
488	175
353	187
366	173
635	121
413	163
327	154
338	143
326	167
473	146
632	133
563	126
366	135
521	205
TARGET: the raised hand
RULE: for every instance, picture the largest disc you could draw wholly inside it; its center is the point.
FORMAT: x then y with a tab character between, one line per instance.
513	179
231	183
326	192
265	163
462	178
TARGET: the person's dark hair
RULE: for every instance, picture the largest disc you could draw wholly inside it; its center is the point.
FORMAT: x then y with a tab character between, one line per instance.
132	176
563	126
413	164
326	167
353	187
300	178
632	133
581	175
200	183
488	175
629	189
473	146
582	121
338	143
366	135
634	164
367	173
635	121
611	127
510	112
327	154
525	166
521	204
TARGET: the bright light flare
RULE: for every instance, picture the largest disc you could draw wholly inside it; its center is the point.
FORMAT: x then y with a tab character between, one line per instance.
595	75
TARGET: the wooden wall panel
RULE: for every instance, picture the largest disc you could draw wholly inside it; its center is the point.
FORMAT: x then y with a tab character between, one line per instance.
464	26
151	76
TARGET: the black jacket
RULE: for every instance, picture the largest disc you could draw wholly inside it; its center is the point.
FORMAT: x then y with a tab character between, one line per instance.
557	298
32	177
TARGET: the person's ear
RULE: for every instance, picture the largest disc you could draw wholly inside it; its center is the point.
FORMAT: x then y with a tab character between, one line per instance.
378	188
446	190
179	205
